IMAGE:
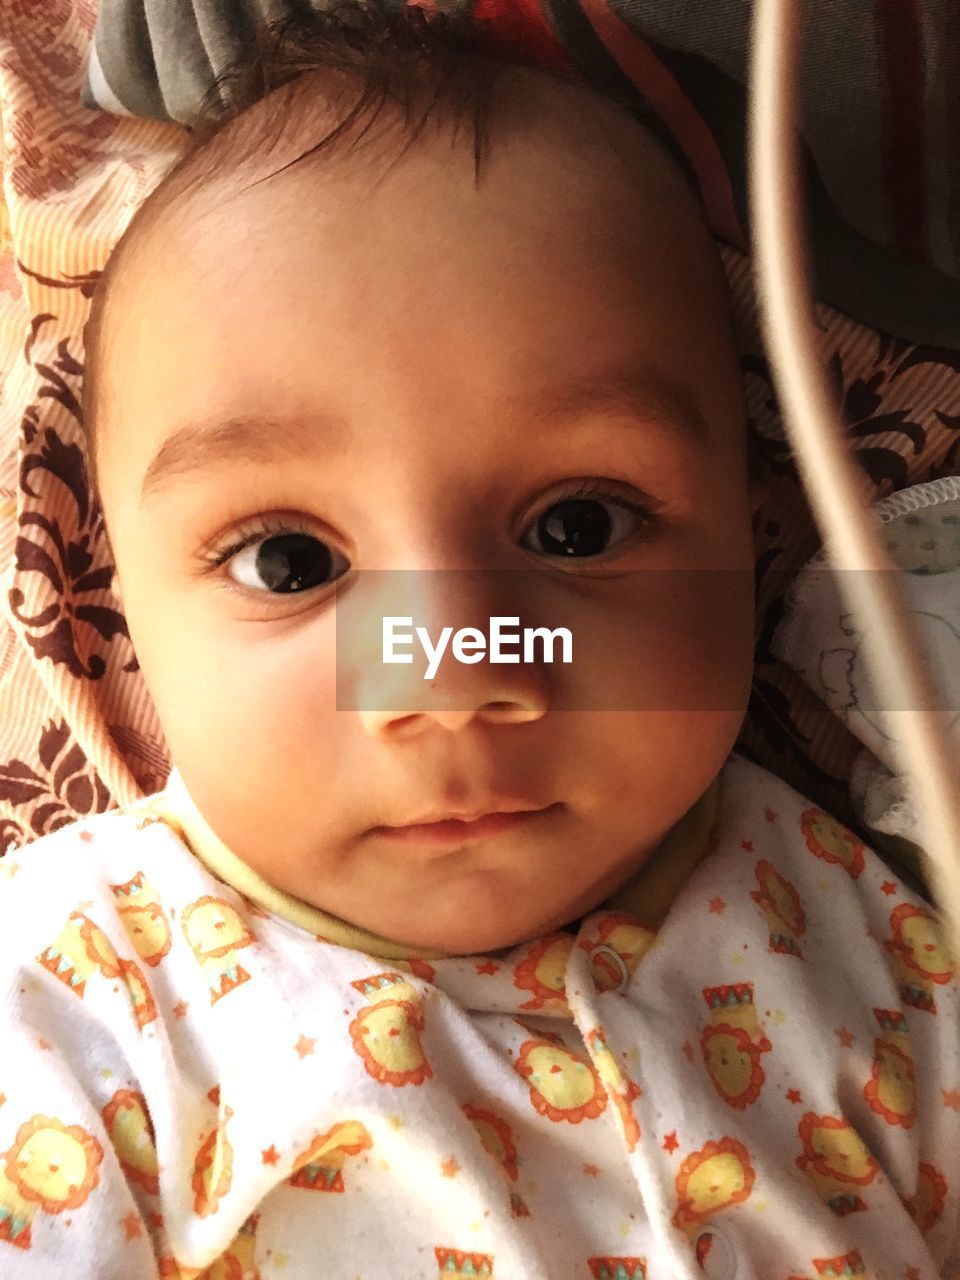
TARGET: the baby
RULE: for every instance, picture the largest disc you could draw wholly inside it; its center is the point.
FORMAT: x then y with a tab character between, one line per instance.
515	972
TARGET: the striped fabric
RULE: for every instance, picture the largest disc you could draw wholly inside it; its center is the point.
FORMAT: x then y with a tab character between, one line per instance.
881	115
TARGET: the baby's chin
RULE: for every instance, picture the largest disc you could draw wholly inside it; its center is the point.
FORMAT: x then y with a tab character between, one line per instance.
478	904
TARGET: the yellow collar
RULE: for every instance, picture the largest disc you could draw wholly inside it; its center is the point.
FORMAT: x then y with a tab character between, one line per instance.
648	895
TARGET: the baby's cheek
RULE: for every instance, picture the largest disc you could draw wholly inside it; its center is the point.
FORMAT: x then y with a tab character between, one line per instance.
690	648
651	766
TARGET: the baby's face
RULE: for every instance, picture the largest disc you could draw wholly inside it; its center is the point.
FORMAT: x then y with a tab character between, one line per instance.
422	333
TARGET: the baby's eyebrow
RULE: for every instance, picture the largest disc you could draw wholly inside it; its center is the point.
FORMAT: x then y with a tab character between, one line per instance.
197	447
639	399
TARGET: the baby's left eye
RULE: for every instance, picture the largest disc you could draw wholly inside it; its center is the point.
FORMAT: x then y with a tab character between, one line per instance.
584	526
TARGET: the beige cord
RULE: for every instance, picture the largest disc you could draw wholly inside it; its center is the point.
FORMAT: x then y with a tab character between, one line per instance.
834	485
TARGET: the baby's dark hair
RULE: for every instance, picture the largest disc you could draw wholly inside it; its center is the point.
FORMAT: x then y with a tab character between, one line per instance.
445	63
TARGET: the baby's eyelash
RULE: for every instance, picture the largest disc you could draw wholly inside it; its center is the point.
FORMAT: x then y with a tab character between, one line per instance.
647	509
261	527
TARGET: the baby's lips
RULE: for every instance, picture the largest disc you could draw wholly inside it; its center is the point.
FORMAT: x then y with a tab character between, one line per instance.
472	812
456	831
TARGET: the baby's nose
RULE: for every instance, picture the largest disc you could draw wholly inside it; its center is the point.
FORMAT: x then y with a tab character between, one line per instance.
395	725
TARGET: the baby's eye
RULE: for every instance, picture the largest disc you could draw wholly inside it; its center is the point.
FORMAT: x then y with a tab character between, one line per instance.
587	524
282	562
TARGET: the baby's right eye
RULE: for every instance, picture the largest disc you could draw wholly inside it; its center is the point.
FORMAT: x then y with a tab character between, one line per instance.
275	559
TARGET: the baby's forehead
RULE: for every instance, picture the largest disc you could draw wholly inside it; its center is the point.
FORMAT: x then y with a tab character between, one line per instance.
579	180
535	124
192	256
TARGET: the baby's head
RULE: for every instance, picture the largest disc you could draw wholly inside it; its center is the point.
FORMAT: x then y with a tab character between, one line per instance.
377	357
